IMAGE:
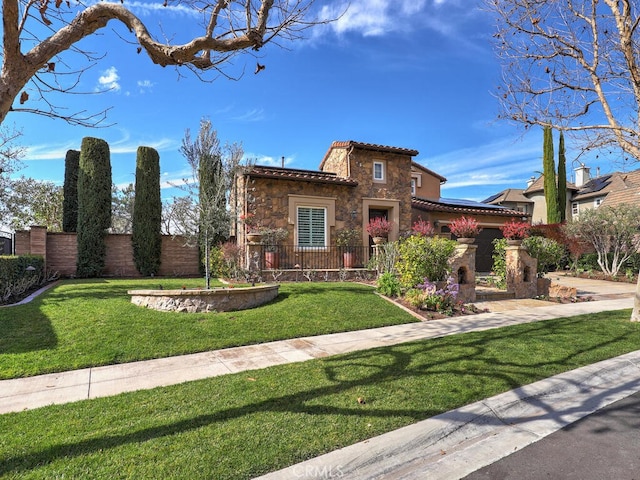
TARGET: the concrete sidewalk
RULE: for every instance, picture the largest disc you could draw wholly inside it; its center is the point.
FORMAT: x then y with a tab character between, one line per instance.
448	446
33	392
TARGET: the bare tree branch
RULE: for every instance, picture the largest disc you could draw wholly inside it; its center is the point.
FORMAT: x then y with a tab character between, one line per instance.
572	65
229	27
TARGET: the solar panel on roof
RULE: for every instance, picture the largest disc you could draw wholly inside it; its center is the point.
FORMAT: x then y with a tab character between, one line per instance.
492	198
469	203
595	184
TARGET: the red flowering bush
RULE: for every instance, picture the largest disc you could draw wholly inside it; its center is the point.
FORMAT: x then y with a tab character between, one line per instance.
249	219
420	227
465	227
379	227
514	230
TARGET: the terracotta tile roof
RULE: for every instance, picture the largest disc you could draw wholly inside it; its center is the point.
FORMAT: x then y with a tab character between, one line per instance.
464	207
263	171
429	172
368	146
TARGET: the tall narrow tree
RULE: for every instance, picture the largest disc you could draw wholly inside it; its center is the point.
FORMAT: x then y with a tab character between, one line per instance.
94	206
213	169
549	170
70	192
147	213
562	179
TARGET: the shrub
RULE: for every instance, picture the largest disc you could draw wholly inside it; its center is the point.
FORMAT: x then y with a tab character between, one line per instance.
424	257
348	238
379	227
465	227
94	206
232	255
548	252
388	285
146	237
70	192
18	274
500	262
385	258
420	227
514	230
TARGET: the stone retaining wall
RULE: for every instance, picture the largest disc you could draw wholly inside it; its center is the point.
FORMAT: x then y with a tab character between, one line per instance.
214	300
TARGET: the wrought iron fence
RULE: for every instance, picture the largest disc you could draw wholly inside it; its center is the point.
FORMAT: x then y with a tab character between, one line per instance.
6	243
291	257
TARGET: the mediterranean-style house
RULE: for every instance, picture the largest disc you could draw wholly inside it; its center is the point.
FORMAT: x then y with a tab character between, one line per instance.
355	183
583	194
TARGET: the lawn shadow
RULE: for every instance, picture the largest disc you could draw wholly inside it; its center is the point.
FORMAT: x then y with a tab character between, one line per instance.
21	332
420	361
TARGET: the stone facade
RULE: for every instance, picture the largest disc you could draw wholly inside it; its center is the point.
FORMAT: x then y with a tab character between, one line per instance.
463	267
522	272
345	185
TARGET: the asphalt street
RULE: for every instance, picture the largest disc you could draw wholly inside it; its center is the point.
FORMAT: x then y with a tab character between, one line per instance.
602	446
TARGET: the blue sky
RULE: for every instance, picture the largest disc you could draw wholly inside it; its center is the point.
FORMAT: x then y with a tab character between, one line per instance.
416	74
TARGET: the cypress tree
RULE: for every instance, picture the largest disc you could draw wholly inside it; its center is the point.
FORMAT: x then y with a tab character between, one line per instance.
70	192
94	206
147	213
549	170
562	179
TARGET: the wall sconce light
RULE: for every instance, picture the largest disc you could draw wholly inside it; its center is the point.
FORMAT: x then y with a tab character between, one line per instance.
436	223
354	214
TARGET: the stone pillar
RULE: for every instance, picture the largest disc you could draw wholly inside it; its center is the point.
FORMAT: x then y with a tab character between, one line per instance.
522	272
254	260
463	269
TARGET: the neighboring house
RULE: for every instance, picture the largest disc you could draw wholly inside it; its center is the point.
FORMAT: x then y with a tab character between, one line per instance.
512	198
586	193
355	183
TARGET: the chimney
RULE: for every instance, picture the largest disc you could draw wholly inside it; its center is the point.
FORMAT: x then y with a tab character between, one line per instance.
282	160
531	181
582	175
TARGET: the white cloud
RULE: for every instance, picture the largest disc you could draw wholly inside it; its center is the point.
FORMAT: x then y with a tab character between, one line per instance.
269	160
379	17
118	146
148	8
503	163
145	85
255	115
109	80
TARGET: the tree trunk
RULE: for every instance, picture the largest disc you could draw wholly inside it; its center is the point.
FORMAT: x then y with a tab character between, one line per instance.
635	314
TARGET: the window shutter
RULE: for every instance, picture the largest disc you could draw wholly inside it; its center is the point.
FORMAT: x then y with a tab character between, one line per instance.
311	226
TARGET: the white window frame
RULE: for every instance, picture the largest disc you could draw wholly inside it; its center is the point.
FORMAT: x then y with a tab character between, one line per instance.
382	177
575	208
414	186
325	229
597	202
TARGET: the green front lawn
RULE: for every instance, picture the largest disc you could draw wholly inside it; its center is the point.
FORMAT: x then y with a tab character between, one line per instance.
242	425
84	323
